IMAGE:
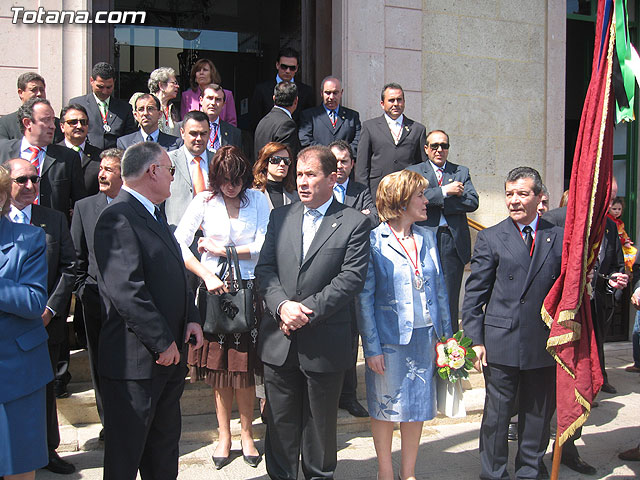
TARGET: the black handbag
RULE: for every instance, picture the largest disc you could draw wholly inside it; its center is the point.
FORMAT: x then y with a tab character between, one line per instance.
231	312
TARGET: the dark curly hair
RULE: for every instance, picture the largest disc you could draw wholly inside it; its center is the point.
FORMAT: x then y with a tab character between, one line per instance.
230	163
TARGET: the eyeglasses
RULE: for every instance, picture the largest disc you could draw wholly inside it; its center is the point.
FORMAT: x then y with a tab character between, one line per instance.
173	82
150	109
23	179
171	168
292	68
435	146
74	121
275	160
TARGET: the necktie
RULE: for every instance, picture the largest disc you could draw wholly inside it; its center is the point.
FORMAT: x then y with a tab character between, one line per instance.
20	217
528	238
214	138
339	191
149	138
333	117
198	177
103	109
439	175
75	148
35	161
310	224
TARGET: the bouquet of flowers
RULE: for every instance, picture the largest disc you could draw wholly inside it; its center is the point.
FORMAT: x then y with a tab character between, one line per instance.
454	357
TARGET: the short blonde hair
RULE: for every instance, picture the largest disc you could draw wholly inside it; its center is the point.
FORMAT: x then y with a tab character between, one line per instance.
395	191
5	187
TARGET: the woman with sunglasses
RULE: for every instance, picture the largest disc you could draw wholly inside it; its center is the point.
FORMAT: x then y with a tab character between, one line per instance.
25	368
203	73
162	83
275	175
229	213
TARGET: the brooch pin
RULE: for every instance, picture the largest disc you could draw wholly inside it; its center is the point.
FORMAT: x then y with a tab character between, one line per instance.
334	225
406	128
548	239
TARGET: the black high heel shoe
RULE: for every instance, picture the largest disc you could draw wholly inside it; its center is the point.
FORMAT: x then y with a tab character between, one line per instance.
220	462
251	460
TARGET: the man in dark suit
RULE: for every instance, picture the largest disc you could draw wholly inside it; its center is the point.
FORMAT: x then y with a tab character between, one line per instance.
330	121
147	113
451	195
30	85
390	142
262	99
75	126
311	266
61	265
222	133
149	315
514	265
83	224
278	125
61	181
354	195
109	117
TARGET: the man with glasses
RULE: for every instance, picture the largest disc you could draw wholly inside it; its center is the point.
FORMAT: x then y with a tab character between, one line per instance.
451	196
147	113
75	126
110	117
61	267
262	101
62	182
222	133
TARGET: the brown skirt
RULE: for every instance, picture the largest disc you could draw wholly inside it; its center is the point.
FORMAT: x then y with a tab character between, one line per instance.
227	360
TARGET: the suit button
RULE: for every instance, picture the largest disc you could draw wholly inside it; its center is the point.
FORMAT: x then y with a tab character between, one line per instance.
298	292
395	161
510	277
522	300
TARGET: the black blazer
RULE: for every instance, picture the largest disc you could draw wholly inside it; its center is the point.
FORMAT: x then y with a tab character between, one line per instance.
83	225
10	128
327	281
119	118
62	182
166	141
262	101
505	290
90	164
316	128
61	264
276	126
143	286
358	196
378	155
453	208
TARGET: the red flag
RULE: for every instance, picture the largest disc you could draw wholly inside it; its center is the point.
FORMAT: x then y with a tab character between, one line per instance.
567	309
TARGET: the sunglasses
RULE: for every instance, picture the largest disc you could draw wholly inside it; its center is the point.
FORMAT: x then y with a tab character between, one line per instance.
171	168
435	146
23	179
74	121
291	68
276	160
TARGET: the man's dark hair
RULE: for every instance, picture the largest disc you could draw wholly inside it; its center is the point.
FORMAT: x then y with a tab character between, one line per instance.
525	172
26	110
285	94
73	106
112	153
196	115
437	131
216	88
289	52
343	147
29	77
328	162
103	70
148	95
393	86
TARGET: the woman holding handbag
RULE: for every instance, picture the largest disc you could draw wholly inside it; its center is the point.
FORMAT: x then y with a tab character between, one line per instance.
230	213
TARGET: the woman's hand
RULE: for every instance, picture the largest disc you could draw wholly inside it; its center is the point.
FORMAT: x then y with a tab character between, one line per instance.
215	285
206	244
376	363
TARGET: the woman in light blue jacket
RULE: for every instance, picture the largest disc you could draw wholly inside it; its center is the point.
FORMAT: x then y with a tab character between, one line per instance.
404	311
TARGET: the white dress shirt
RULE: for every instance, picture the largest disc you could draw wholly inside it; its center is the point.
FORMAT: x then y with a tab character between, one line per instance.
146	203
395	126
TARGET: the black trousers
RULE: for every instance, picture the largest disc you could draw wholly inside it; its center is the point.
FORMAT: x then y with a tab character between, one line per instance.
92	314
53	431
453	269
301	413
350	382
142	424
536	404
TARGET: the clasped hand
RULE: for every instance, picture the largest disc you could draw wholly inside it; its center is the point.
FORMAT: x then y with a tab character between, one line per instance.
293	315
453	189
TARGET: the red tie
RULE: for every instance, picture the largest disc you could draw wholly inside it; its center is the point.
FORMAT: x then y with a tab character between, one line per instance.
35	161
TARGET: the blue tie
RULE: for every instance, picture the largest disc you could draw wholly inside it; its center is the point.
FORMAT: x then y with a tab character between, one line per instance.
340	192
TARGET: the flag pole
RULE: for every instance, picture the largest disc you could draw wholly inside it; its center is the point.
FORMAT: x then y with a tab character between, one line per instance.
557	457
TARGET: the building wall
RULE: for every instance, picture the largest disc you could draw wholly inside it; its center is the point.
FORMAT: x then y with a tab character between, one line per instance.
489	72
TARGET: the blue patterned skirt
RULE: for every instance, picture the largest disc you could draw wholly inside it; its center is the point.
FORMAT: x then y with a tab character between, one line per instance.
407	390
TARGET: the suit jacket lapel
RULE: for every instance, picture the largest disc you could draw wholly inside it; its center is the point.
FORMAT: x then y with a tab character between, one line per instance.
46	164
407	125
182	168
349	196
545	237
385	131
325	120
101	202
340	118
513	242
7	241
330	223
293	223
